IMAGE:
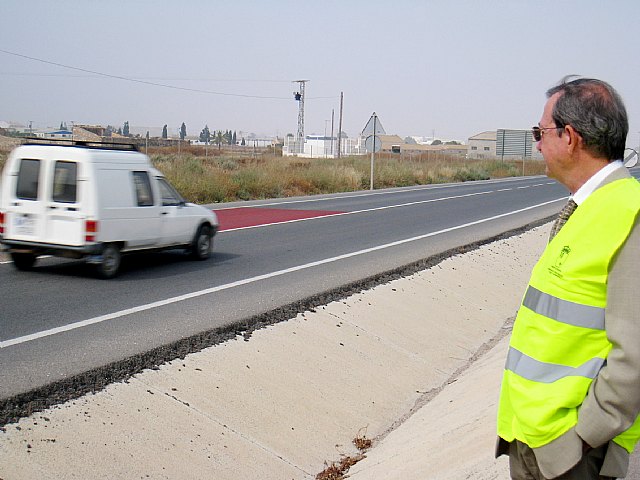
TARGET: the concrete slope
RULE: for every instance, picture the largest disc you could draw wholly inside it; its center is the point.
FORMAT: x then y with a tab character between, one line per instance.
450	438
291	399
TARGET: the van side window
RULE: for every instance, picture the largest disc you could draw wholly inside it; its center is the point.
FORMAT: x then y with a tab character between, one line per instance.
143	189
28	175
65	177
168	194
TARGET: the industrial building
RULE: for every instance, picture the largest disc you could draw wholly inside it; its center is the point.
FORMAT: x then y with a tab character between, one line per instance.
503	144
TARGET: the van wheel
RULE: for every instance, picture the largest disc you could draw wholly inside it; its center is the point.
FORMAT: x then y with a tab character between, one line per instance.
23	261
110	261
202	243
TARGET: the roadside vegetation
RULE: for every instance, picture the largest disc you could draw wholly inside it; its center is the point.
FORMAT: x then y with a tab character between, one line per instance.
224	175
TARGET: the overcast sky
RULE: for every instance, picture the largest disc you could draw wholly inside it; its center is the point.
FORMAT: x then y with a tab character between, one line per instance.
453	68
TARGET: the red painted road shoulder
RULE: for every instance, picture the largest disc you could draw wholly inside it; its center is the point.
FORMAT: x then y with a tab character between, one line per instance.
231	218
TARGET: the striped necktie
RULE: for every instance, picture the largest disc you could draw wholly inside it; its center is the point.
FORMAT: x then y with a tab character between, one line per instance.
565	213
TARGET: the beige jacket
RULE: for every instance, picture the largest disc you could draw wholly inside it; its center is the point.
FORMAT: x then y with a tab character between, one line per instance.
613	401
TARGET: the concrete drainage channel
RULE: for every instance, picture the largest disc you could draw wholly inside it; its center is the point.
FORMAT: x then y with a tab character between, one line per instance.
284	396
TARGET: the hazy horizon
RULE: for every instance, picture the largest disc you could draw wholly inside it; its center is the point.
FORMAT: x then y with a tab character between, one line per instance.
449	69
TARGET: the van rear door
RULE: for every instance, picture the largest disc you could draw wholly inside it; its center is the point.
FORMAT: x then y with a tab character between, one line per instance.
25	210
64	218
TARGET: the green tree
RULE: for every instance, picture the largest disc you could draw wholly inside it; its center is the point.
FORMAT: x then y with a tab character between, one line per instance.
235	138
125	129
243	143
219	138
436	142
205	134
164	132
183	131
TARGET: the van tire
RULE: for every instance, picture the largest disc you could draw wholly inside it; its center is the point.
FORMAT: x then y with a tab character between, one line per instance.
23	261
110	264
202	243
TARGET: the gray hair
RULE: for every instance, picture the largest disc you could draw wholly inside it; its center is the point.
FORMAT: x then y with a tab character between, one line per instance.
596	111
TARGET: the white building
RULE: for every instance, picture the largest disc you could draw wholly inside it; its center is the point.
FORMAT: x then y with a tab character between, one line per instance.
59	134
320	146
482	145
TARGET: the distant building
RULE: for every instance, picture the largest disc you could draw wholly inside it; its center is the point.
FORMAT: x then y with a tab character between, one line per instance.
320	146
97	130
395	144
81	132
13	127
503	144
482	145
59	134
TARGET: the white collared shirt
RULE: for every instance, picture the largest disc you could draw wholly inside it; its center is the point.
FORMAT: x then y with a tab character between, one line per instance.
590	185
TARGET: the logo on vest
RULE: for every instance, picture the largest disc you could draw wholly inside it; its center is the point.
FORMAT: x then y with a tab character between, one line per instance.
556	268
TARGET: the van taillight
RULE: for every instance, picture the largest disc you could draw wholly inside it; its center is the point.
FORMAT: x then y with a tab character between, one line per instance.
1	222
91	228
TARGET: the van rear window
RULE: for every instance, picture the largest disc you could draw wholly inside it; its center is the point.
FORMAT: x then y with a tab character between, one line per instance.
65	182
28	179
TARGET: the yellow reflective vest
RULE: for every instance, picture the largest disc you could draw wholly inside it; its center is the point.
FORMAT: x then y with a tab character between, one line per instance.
559	341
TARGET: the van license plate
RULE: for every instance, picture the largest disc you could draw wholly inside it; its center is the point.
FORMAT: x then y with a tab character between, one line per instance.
24	225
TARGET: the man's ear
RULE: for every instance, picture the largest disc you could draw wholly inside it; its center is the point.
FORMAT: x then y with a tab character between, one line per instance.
572	138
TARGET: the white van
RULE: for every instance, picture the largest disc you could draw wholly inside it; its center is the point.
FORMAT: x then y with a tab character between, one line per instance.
95	201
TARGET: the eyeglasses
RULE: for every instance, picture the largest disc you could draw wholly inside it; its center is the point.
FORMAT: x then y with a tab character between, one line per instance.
537	132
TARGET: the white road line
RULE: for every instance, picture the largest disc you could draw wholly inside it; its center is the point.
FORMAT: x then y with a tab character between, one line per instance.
246	281
368	194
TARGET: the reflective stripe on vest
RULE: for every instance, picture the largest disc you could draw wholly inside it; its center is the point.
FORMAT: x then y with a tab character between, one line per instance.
536	371
563	310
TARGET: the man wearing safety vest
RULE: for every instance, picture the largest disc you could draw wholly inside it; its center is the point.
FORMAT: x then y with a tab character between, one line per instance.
570	395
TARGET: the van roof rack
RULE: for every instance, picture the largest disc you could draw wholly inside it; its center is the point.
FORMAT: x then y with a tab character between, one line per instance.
81	143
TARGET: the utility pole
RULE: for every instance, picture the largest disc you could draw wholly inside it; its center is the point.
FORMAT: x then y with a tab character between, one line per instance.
373	149
299	96
340	128
332	153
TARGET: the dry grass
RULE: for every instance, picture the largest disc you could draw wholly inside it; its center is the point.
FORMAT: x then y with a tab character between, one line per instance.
225	178
338	470
215	176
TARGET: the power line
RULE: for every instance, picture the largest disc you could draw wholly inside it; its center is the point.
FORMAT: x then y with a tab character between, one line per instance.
144	82
139	77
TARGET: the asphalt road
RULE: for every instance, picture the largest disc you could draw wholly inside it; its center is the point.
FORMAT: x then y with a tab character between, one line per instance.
59	320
